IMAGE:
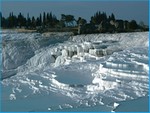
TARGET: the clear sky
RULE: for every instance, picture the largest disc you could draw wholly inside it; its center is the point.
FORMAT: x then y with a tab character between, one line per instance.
122	9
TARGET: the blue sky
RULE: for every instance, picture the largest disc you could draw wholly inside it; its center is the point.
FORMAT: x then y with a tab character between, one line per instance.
126	10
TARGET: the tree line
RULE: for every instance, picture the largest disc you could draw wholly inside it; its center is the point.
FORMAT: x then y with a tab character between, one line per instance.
100	22
13	21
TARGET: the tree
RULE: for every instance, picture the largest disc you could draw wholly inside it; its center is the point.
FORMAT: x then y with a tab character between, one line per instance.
37	21
81	21
133	25
112	17
54	21
51	19
0	19
47	19
44	19
98	18
10	20
14	18
33	22
104	16
40	20
3	21
68	19
78	20
28	23
21	20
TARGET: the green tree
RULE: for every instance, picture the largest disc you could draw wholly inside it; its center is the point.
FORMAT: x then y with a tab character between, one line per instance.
10	20
28	23
47	19
40	20
81	21
3	21
98	18
33	22
112	17
68	19
44	19
133	25
21	20
54	21
0	19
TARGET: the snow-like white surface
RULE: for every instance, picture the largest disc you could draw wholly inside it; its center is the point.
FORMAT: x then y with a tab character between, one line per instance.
73	73
137	105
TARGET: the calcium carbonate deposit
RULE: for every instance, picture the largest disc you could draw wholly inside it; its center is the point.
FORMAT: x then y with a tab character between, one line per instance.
61	72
